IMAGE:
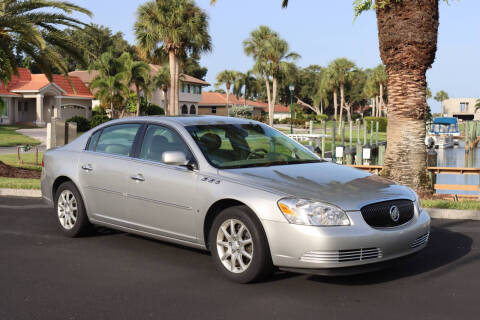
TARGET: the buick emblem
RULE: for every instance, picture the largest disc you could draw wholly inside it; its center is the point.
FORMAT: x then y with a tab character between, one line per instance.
394	213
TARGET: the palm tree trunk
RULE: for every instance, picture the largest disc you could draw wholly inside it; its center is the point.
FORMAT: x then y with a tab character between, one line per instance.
171	61
165	101
335	103
274	97
382	103
270	107
228	98
379	106
406	153
176	90
342	102
138	100
374	111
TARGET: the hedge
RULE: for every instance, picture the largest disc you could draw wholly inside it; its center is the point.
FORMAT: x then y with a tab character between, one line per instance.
82	123
382	122
98	120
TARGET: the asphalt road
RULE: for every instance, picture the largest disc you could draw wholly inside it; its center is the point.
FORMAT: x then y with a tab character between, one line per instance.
112	275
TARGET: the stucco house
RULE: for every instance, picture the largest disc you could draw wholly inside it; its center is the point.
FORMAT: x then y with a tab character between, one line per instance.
189	96
214	103
32	98
461	108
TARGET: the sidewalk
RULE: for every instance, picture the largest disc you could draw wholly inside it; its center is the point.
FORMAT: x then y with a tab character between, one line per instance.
39	134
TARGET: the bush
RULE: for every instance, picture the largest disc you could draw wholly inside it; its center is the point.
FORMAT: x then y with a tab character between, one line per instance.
241	111
321	117
98	120
154	110
82	123
382	123
98	110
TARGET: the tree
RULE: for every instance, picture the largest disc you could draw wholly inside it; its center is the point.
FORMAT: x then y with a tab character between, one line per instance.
342	70
226	77
329	83
408	33
110	81
477	105
137	74
269	51
247	82
33	28
176	27
162	80
440	97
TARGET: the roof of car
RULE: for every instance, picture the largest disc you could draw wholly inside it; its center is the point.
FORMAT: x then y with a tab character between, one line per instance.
192	120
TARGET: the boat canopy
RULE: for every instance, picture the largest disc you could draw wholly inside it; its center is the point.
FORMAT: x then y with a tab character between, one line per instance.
446	120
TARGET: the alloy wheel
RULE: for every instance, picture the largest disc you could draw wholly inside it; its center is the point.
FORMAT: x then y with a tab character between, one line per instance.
234	246
67	209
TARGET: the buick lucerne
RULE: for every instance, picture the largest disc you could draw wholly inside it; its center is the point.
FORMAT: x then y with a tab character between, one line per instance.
257	200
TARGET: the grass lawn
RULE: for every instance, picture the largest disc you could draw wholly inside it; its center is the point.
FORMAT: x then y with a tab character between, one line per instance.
16	183
28	159
449	204
10	138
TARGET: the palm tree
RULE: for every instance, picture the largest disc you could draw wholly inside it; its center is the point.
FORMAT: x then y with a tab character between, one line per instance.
178	27
137	73
477	105
330	84
380	78
162	80
110	81
342	69
408	33
226	77
440	97
268	51
34	28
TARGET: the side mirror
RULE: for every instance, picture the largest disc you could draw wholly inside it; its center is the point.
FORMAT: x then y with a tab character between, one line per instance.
175	158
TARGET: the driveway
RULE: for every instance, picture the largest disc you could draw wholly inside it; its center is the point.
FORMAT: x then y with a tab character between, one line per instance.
36	133
113	275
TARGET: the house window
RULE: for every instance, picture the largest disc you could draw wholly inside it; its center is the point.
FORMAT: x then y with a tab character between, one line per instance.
214	110
193	110
3	108
182	88
184	109
463	106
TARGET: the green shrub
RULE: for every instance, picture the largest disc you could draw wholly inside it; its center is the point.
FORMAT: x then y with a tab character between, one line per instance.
321	117
382	122
98	120
154	110
241	111
82	123
98	110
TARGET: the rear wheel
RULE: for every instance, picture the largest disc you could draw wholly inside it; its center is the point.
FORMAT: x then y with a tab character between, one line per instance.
71	214
239	246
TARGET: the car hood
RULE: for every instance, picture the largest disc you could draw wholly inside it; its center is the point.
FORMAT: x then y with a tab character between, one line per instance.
346	187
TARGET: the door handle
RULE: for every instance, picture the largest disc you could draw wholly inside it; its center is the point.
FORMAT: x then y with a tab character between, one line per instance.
87	167
138	177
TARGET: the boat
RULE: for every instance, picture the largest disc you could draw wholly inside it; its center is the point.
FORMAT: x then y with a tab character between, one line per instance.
442	133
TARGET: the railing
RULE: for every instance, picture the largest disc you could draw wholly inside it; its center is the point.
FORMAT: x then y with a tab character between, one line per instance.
440	170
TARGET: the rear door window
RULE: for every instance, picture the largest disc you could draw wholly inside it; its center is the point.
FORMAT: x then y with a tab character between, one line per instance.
118	139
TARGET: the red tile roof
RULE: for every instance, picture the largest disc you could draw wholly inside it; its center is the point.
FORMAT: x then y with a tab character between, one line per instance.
25	81
220	99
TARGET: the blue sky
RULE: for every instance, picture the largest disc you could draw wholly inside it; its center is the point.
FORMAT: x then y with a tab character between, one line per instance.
321	31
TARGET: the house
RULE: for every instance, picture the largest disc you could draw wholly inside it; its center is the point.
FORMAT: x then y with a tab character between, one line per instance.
32	98
214	103
189	95
461	108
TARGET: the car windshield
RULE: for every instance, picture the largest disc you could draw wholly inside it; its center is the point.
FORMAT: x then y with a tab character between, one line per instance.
228	146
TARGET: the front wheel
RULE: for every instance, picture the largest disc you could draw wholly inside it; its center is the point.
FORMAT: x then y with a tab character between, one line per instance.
239	246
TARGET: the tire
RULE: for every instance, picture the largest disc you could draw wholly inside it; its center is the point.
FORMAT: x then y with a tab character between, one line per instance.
72	217
247	241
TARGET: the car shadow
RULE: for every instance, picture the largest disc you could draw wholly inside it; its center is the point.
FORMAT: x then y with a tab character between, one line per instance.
442	255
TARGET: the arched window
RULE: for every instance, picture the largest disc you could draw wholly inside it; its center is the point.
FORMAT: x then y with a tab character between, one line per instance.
184	109
193	110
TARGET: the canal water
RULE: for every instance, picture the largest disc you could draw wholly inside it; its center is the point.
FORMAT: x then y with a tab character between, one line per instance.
455	157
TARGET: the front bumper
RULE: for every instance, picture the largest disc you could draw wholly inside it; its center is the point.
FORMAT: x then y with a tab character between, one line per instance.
317	248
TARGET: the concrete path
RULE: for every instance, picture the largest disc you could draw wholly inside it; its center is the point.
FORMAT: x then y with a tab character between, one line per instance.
39	134
113	275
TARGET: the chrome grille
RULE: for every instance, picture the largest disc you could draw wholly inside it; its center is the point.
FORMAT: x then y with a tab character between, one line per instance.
420	240
342	255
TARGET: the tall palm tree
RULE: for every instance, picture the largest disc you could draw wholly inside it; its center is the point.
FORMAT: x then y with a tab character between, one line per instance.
380	78
226	77
137	73
330	83
440	97
162	80
477	105
34	28
342	69
178	27
268	51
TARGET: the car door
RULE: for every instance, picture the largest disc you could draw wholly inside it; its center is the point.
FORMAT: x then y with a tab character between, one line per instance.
103	172
161	198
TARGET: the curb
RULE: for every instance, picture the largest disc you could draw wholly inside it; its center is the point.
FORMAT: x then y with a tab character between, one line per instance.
24	193
453	214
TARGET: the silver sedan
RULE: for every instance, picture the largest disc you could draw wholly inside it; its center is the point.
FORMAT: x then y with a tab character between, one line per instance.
254	198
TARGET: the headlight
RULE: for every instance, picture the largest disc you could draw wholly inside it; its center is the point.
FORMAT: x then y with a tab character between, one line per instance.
312	213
